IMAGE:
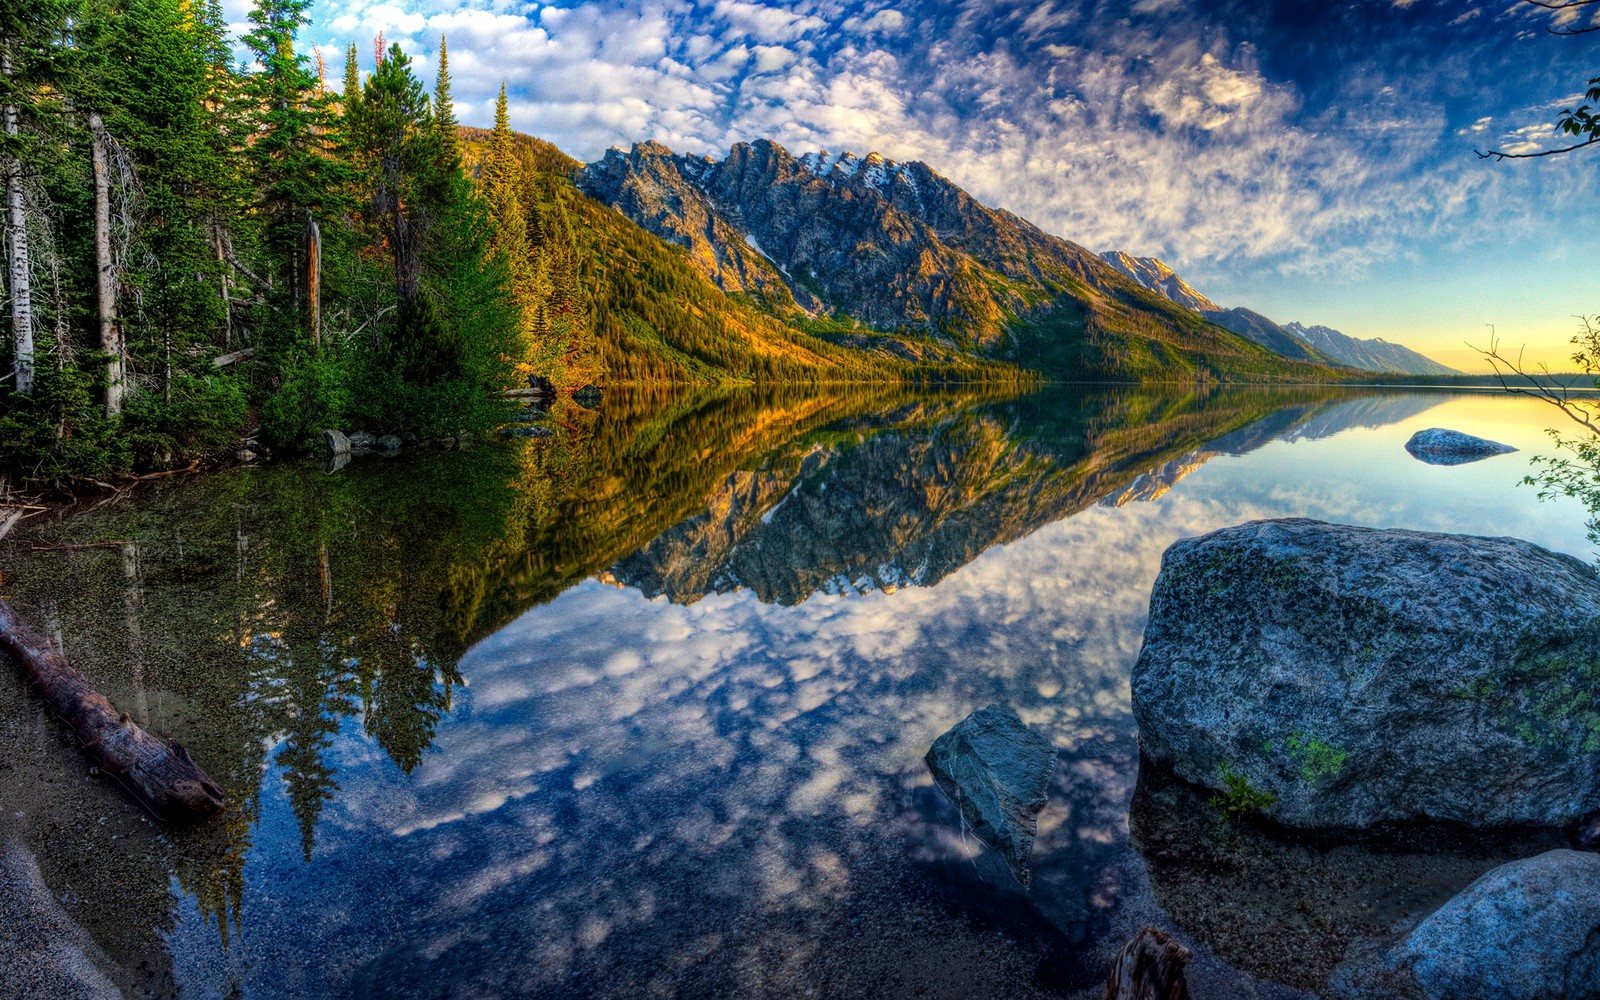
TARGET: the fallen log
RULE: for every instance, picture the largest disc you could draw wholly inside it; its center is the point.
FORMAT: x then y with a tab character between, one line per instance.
1149	967
159	772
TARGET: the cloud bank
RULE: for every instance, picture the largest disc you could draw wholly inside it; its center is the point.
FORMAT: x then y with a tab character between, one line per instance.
1224	133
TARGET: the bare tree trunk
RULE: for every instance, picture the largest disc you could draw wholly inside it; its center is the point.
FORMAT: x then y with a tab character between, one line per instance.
1149	967
105	269
227	304
313	248
132	598
160	772
18	272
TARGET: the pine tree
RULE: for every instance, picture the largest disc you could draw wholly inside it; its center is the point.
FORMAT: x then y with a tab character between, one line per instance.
444	109
292	152
352	81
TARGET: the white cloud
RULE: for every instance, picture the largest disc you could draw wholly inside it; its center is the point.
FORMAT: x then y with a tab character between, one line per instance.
1145	127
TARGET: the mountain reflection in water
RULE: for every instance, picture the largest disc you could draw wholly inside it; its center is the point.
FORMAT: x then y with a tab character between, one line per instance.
639	709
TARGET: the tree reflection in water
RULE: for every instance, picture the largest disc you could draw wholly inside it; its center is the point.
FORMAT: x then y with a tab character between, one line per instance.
275	618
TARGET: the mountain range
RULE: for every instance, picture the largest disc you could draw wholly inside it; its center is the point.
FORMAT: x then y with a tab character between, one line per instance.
1292	340
764	264
856	249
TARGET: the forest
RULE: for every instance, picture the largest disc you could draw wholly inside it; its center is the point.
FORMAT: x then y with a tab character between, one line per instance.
198	250
205	255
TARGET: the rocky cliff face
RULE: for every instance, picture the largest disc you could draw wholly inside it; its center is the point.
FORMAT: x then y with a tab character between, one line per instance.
1158	277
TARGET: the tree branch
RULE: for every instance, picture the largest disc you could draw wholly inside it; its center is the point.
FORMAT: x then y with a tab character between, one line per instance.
1497	155
1557	395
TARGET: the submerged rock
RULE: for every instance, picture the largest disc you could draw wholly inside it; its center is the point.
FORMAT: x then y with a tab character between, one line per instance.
1285	905
527	431
1529	930
587	397
1589	832
388	442
1438	446
1332	676
997	772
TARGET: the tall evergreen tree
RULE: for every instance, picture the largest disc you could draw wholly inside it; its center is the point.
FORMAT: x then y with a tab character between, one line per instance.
291	152
502	183
444	109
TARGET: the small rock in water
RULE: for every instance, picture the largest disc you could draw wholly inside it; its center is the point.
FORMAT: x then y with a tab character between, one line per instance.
529	415
335	442
587	397
997	772
1524	931
361	441
408	438
1438	446
246	455
388	443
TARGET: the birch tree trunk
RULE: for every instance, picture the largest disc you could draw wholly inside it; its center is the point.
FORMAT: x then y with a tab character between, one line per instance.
19	276
105	269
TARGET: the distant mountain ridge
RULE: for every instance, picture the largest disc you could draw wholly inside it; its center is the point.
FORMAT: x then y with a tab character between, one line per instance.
1320	344
850	246
1375	354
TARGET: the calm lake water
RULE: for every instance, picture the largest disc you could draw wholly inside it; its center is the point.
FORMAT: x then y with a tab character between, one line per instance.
640	710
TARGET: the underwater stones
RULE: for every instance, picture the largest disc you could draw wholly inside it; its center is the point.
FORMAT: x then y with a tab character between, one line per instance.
587	397
335	442
527	431
388	442
1333	676
1438	446
1528	930
997	772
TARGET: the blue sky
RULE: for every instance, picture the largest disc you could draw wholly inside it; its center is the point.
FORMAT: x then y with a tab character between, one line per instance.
1312	161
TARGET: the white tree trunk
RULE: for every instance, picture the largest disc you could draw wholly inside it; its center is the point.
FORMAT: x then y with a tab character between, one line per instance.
105	269
19	277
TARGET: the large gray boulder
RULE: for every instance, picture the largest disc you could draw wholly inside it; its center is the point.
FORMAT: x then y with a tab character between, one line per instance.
1529	930
1439	446
335	442
1333	676
997	772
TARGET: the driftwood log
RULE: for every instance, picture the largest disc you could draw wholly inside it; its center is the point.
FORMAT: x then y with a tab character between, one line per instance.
1149	967
159	772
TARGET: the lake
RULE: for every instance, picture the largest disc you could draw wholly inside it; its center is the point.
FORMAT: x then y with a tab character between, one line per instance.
639	710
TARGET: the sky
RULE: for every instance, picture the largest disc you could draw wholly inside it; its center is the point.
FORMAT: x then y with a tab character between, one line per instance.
1314	162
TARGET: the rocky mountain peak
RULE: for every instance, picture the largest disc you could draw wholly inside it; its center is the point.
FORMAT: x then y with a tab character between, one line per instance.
1158	277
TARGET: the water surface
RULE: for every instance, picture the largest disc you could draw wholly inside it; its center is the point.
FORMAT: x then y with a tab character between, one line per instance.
639	710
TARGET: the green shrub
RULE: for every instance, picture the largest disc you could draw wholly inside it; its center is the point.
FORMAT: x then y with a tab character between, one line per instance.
313	396
1237	796
204	417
